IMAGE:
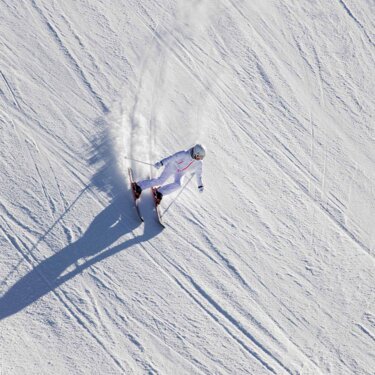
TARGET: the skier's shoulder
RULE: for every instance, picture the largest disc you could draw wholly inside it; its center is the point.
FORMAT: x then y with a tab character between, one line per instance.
179	155
182	153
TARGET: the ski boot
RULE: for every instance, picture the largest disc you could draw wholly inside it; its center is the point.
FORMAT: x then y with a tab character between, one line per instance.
158	197
137	190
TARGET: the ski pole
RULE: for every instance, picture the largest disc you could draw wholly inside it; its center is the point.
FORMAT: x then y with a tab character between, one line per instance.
138	161
174	200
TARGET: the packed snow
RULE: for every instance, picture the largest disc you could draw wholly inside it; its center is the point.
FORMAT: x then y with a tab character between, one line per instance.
270	270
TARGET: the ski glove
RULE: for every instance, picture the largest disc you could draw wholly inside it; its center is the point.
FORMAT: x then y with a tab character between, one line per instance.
201	188
158	165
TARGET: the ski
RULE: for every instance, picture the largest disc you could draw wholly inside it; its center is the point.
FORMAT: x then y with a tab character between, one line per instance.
136	200
157	209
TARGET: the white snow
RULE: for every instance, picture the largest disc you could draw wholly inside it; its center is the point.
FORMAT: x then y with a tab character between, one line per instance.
270	270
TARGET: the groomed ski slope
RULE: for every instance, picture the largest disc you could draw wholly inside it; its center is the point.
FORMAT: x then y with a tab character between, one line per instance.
270	270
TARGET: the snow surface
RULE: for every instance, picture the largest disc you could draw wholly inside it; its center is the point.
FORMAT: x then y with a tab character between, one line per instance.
271	270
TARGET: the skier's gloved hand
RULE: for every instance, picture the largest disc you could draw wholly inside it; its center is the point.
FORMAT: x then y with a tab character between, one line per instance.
158	165
201	188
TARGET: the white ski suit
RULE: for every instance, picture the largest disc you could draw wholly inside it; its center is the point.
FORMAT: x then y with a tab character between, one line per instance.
176	165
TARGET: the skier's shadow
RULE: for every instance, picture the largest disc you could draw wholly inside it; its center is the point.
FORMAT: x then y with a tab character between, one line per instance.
115	221
94	245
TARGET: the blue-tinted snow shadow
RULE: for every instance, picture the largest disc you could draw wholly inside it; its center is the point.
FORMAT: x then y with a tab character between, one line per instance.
97	243
94	246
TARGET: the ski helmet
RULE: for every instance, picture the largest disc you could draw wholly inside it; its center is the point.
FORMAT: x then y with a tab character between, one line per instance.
198	152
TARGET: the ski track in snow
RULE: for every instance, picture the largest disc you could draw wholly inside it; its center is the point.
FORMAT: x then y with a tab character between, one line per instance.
75	64
10	90
246	287
215	318
359	24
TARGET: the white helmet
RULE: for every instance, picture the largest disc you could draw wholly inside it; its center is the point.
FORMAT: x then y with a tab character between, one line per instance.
198	152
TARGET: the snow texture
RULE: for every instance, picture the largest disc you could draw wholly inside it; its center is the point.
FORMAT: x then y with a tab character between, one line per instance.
271	270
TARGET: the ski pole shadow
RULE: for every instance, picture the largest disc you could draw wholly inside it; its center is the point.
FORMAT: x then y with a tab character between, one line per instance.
94	246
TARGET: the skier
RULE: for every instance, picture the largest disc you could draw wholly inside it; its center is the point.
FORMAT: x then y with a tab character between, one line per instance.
175	165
